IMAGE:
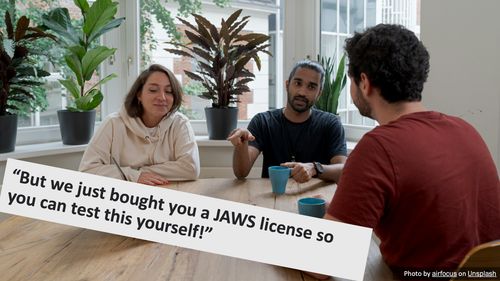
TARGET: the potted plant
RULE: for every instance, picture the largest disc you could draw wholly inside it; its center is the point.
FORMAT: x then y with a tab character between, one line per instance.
221	56
334	83
18	75
84	56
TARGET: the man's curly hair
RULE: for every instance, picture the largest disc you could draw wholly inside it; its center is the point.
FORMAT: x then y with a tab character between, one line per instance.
394	60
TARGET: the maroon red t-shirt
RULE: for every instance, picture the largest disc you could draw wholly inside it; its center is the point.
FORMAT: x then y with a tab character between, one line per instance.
427	184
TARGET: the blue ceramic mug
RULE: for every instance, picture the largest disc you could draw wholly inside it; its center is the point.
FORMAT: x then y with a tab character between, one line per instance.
279	178
314	207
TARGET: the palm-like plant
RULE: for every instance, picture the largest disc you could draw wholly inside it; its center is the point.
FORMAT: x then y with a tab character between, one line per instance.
334	83
18	75
221	56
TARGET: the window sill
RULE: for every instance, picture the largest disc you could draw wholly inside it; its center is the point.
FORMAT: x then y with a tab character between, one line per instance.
55	148
42	149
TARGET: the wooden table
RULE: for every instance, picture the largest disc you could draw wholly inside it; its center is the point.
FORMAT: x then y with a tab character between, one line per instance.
37	250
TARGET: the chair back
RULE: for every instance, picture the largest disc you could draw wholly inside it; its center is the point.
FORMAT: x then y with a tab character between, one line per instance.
483	258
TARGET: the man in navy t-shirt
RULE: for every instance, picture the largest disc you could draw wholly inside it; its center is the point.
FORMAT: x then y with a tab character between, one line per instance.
309	141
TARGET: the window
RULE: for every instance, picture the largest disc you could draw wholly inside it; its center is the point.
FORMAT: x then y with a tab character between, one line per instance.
265	15
337	20
341	18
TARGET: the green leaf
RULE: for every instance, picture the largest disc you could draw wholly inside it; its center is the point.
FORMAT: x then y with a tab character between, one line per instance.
107	27
78	51
59	21
83	5
41	73
93	58
99	14
8	46
104	80
21	99
90	100
18	90
76	66
341	69
27	83
72	87
329	98
337	85
73	109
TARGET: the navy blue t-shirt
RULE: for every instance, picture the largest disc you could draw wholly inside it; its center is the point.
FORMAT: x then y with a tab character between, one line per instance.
318	139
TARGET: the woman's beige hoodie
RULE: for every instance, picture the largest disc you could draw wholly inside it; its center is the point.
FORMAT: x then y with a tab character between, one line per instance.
171	152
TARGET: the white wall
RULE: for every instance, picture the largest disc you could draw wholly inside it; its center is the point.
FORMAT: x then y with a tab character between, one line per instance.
463	39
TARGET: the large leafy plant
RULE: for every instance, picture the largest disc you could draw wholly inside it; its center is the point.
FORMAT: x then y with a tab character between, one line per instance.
335	80
18	71
221	56
84	54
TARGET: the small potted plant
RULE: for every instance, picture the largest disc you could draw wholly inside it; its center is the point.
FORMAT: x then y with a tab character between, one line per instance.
221	56
334	83
84	56
18	75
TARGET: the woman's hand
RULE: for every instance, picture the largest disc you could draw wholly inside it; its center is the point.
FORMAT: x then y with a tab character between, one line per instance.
151	179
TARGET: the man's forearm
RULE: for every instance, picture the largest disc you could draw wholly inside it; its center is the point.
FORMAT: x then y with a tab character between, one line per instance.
241	161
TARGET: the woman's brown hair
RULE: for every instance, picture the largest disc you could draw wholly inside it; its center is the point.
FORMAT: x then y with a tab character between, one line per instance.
132	105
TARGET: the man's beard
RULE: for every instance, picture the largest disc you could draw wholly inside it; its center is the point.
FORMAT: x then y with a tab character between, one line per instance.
362	105
299	108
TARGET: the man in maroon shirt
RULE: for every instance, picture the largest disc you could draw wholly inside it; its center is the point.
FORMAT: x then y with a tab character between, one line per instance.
424	181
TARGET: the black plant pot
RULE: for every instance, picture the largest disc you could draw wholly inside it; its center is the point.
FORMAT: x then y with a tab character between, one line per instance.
8	129
221	121
76	127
